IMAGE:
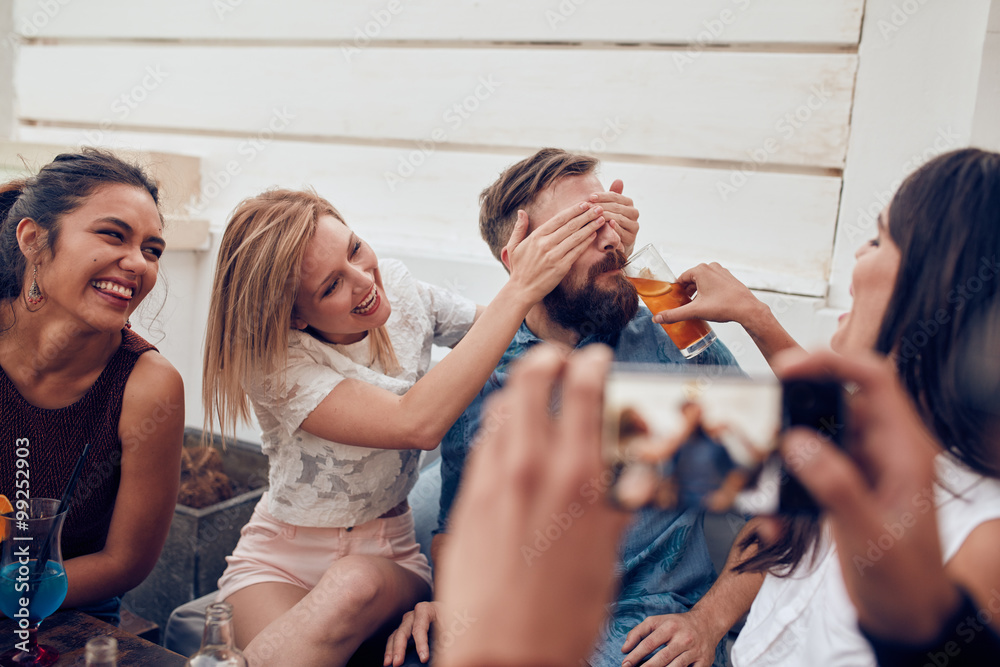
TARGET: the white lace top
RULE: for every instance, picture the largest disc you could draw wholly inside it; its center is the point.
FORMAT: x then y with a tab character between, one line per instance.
317	482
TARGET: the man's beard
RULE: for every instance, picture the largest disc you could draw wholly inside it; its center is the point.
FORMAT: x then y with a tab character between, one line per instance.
591	310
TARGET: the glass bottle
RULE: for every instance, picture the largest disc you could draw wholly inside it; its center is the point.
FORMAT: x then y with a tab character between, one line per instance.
217	645
102	652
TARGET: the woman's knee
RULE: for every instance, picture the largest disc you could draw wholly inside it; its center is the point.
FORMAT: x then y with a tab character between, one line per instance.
353	584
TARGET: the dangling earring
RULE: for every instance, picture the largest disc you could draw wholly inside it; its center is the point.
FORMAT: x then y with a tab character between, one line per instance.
35	295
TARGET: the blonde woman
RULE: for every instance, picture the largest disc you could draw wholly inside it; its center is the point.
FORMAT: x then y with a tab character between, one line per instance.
330	348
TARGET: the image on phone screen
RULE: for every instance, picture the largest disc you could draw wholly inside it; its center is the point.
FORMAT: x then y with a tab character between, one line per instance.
676	441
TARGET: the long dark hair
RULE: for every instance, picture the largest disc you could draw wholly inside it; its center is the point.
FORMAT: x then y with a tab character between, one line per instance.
945	219
59	188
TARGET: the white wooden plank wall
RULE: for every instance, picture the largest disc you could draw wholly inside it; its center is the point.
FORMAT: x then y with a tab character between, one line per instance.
915	98
468	97
728	120
766	23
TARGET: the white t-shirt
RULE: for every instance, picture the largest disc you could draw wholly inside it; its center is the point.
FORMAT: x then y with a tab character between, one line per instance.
808	618
320	483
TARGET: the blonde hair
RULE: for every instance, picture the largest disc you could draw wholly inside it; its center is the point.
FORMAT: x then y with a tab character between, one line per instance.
256	280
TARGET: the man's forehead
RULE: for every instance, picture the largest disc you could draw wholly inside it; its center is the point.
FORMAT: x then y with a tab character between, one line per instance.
563	193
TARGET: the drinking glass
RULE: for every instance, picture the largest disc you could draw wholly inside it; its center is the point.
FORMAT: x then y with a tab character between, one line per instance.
659	290
32	580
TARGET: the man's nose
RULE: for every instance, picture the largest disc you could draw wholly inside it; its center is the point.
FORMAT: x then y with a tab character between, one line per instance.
607	238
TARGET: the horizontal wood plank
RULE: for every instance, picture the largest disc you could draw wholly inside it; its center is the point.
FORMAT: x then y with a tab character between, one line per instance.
775	232
622	21
178	178
759	108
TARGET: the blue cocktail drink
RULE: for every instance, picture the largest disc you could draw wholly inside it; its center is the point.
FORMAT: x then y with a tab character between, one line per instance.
44	591
32	578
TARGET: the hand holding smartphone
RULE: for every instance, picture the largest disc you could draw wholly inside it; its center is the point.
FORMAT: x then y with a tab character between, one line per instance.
677	441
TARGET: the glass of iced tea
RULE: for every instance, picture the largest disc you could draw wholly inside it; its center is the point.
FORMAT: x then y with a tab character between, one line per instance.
660	291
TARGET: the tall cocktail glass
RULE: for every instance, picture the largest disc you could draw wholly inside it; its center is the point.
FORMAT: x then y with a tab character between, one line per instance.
659	290
32	579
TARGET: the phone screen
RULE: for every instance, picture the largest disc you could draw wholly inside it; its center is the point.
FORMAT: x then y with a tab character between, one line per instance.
679	441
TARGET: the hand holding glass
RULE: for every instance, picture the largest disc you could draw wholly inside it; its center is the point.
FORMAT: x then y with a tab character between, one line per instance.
659	290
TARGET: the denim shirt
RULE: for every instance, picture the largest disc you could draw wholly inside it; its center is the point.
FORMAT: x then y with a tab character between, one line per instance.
664	563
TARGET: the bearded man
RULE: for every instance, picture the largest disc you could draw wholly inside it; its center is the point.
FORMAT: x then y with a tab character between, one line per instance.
664	560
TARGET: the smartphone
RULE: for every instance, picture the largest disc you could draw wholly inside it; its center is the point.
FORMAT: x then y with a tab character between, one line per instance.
710	442
819	405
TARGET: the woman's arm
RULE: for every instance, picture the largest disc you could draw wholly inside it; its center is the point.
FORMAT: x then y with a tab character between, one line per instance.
723	298
975	568
357	413
151	430
480	309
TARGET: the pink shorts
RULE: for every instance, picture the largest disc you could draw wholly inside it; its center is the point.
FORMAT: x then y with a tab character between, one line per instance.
270	550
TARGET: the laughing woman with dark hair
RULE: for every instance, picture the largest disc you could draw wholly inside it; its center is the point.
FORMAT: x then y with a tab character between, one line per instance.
80	244
919	287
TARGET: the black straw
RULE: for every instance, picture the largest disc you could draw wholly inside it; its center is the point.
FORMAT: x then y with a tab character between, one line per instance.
67	495
64	504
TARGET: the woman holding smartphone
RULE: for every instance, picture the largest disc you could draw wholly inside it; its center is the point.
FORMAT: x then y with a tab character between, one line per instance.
919	286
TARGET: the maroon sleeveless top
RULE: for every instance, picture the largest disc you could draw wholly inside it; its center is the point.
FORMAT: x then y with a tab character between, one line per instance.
54	440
